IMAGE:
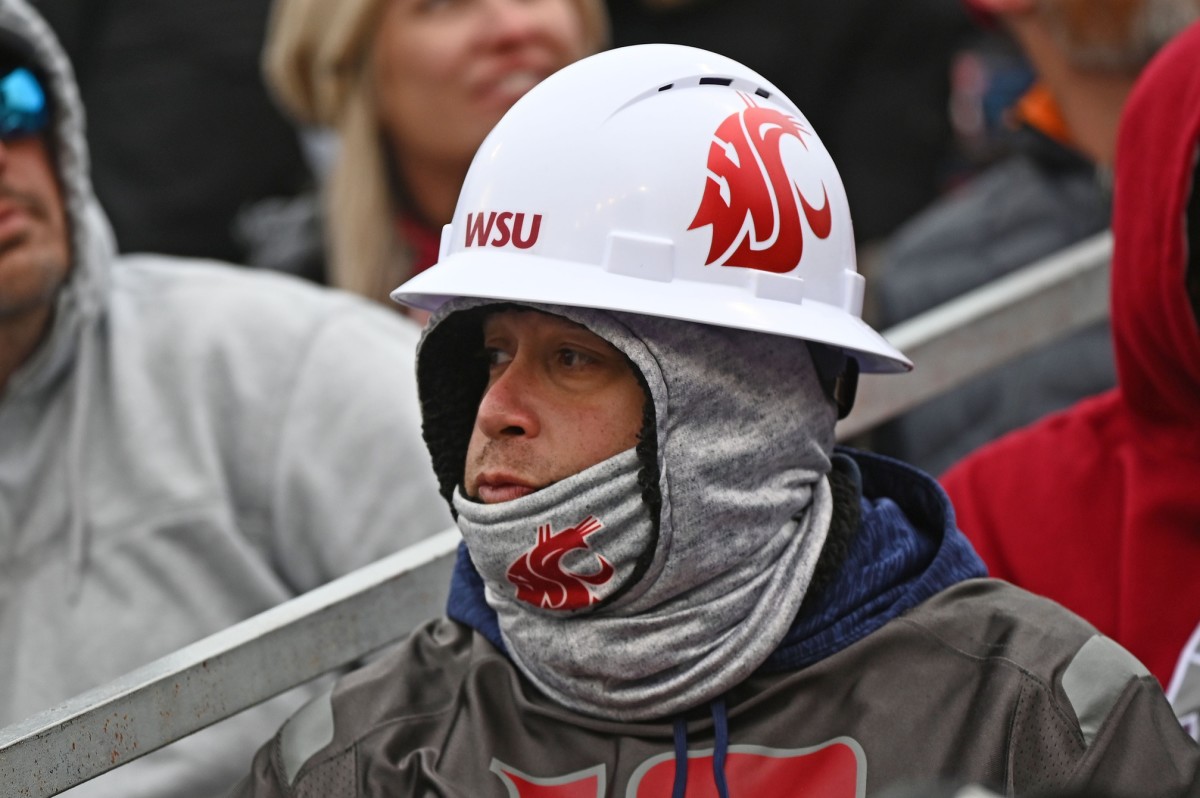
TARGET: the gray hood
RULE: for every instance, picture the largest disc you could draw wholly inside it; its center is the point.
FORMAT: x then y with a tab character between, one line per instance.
730	475
81	302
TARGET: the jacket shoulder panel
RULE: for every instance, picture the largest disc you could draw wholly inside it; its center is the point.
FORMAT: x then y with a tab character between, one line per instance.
419	681
991	619
1094	681
1078	691
1084	673
305	733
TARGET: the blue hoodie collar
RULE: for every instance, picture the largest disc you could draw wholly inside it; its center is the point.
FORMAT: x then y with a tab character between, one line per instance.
907	549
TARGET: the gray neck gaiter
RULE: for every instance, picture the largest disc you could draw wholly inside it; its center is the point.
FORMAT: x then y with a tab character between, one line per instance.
618	615
548	558
539	560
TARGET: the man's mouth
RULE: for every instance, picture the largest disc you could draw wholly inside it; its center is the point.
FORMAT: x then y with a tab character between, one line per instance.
494	488
14	224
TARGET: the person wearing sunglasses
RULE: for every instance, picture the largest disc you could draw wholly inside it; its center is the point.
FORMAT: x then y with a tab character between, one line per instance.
24	111
179	448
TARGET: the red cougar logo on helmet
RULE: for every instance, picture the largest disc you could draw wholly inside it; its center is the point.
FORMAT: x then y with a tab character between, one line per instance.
540	577
752	204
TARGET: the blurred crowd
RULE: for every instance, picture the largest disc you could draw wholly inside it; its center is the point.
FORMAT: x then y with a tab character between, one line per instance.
254	178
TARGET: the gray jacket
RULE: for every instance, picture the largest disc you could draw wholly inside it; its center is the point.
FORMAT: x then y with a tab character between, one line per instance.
190	445
982	683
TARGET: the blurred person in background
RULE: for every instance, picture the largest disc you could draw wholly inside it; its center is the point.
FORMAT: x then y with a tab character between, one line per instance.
1053	191
411	88
873	77
190	155
1098	507
182	444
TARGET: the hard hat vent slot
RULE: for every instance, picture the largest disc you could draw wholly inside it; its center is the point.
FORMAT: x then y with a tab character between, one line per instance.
742	85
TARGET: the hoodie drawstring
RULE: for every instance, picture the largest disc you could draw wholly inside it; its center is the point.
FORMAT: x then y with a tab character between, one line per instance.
720	749
681	759
720	746
76	488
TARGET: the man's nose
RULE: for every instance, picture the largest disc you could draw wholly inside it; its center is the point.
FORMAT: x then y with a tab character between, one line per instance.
507	409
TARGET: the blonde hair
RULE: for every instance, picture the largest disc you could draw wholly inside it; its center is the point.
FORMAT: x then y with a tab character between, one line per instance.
317	62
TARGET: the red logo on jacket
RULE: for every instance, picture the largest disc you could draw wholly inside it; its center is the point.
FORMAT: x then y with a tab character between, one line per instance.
754	207
543	581
582	784
829	771
494	229
835	769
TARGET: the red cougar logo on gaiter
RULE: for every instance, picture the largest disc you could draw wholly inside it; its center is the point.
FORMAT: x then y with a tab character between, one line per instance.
749	199
540	577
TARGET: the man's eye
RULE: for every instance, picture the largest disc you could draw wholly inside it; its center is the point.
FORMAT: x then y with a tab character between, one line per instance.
496	357
573	358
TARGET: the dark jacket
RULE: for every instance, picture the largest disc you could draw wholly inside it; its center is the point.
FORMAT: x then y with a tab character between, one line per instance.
906	666
1043	198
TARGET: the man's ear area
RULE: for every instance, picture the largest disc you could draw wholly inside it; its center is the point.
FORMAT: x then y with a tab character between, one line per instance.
451	377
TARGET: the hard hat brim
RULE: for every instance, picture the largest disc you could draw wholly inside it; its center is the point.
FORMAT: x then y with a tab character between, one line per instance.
522	278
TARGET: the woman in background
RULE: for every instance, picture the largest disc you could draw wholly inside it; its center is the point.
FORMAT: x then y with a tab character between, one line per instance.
411	88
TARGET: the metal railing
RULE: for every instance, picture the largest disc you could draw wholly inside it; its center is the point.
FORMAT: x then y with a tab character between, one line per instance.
987	327
345	620
232	670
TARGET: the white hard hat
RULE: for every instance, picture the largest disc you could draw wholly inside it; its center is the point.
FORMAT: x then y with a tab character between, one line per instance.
666	181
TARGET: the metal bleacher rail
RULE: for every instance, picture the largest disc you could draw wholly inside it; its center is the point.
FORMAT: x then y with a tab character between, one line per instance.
345	620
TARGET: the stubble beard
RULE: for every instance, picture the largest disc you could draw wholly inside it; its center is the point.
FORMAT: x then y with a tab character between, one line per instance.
49	272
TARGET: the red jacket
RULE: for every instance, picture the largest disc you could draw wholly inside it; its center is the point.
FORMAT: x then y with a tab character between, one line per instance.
1098	507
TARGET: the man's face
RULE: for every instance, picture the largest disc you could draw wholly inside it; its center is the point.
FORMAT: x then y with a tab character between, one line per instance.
34	242
559	399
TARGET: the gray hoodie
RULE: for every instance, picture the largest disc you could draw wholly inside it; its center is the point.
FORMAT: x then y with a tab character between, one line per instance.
189	445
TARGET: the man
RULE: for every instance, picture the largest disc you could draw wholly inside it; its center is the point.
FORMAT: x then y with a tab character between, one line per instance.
1053	191
180	443
646	322
1097	506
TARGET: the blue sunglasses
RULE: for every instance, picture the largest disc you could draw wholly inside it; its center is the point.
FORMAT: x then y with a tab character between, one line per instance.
23	107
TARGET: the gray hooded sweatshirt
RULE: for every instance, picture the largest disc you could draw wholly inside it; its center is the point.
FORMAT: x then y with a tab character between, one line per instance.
189	445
